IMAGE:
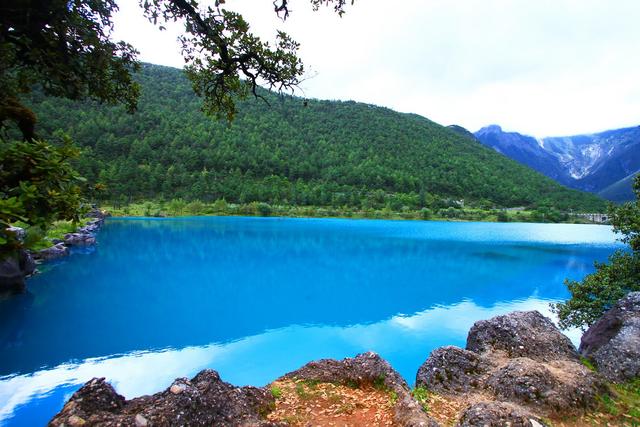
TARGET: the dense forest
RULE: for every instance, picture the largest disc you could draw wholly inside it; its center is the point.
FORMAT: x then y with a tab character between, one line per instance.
288	151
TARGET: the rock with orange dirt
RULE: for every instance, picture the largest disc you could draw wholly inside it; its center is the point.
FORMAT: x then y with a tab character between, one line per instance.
520	360
363	390
368	370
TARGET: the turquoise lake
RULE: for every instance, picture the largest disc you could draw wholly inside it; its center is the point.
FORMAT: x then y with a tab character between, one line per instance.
254	298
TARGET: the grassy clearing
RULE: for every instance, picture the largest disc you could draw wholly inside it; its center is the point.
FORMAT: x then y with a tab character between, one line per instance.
179	207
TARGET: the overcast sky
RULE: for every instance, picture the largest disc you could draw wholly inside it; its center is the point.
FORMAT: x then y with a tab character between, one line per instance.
541	67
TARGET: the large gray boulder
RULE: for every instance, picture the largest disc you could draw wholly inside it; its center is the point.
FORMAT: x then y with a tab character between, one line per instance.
613	342
79	239
556	388
205	400
91	226
452	369
364	369
11	277
520	358
521	334
14	269
56	251
27	263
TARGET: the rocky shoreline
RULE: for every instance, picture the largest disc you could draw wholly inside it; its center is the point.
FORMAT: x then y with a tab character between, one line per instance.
516	369
14	270
83	236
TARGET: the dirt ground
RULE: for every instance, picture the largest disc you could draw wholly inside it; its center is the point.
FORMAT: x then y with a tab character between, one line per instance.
307	403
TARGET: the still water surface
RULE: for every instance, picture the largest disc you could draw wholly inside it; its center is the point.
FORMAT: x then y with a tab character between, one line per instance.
254	298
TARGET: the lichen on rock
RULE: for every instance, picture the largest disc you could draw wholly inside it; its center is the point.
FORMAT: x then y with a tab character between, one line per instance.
521	334
613	342
497	414
520	358
453	369
549	387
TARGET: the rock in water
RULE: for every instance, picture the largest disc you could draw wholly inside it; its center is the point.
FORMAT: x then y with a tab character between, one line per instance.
58	250
521	334
79	239
613	342
11	277
83	237
14	269
27	263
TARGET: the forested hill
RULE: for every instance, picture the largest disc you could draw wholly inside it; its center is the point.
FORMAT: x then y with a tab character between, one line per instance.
325	153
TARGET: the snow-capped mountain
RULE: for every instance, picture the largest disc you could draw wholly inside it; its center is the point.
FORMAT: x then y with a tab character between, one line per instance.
587	162
524	149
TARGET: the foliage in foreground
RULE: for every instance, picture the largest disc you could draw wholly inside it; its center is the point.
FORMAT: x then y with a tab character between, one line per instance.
65	49
599	291
37	187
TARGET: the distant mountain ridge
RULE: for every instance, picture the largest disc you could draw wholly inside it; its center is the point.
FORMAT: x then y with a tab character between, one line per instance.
593	162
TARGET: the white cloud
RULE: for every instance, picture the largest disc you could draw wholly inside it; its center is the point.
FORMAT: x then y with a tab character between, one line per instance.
549	67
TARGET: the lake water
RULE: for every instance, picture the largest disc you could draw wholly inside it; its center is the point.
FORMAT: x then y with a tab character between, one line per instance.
254	298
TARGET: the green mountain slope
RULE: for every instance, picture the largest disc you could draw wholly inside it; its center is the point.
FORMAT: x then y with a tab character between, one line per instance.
620	191
324	153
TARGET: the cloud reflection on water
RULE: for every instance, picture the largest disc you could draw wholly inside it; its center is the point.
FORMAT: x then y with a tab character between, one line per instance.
243	361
